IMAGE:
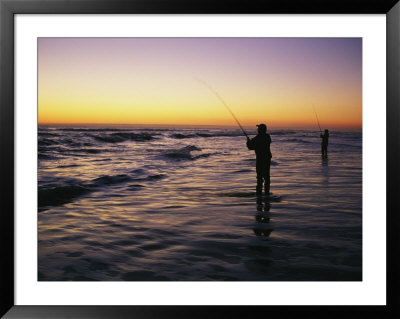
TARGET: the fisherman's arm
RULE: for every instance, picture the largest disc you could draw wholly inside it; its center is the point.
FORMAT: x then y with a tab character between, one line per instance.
251	145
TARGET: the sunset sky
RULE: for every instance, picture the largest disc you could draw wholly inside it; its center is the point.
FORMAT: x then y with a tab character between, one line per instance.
155	81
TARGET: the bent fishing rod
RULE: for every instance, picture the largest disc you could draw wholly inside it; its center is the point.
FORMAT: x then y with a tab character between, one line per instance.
317	119
224	103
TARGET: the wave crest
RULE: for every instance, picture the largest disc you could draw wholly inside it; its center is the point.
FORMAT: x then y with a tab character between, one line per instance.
182	153
122	137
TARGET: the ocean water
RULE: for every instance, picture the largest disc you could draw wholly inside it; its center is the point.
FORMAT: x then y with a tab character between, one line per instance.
179	204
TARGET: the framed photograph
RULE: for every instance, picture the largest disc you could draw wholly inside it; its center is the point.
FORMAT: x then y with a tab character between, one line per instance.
193	159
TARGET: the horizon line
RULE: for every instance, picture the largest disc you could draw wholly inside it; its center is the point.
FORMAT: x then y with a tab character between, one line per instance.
309	127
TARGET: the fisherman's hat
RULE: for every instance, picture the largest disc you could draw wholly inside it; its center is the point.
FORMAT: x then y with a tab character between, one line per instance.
262	127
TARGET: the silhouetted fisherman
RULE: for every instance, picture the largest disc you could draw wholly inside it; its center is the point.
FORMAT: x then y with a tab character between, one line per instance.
261	145
324	144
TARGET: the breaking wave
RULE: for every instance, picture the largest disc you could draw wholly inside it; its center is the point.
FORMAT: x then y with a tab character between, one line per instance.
182	153
59	195
65	191
122	137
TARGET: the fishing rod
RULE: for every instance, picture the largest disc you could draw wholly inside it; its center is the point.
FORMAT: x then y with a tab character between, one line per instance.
223	102
317	119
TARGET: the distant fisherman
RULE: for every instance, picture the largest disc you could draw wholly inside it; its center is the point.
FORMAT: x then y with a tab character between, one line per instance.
261	145
324	144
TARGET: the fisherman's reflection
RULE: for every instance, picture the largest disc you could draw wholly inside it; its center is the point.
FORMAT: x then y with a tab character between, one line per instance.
324	161
263	205
262	226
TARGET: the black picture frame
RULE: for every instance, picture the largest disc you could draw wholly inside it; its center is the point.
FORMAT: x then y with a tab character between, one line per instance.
8	8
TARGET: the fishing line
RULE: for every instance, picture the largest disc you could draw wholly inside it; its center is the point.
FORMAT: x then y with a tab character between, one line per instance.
224	103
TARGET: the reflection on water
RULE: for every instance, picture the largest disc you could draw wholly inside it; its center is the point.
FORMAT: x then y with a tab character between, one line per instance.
263	226
169	204
263	204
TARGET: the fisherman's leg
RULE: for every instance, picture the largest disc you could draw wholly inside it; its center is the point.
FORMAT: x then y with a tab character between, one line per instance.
324	151
267	178
259	182
267	184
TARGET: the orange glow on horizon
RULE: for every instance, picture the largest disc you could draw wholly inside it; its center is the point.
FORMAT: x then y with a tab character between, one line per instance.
214	114
153	81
